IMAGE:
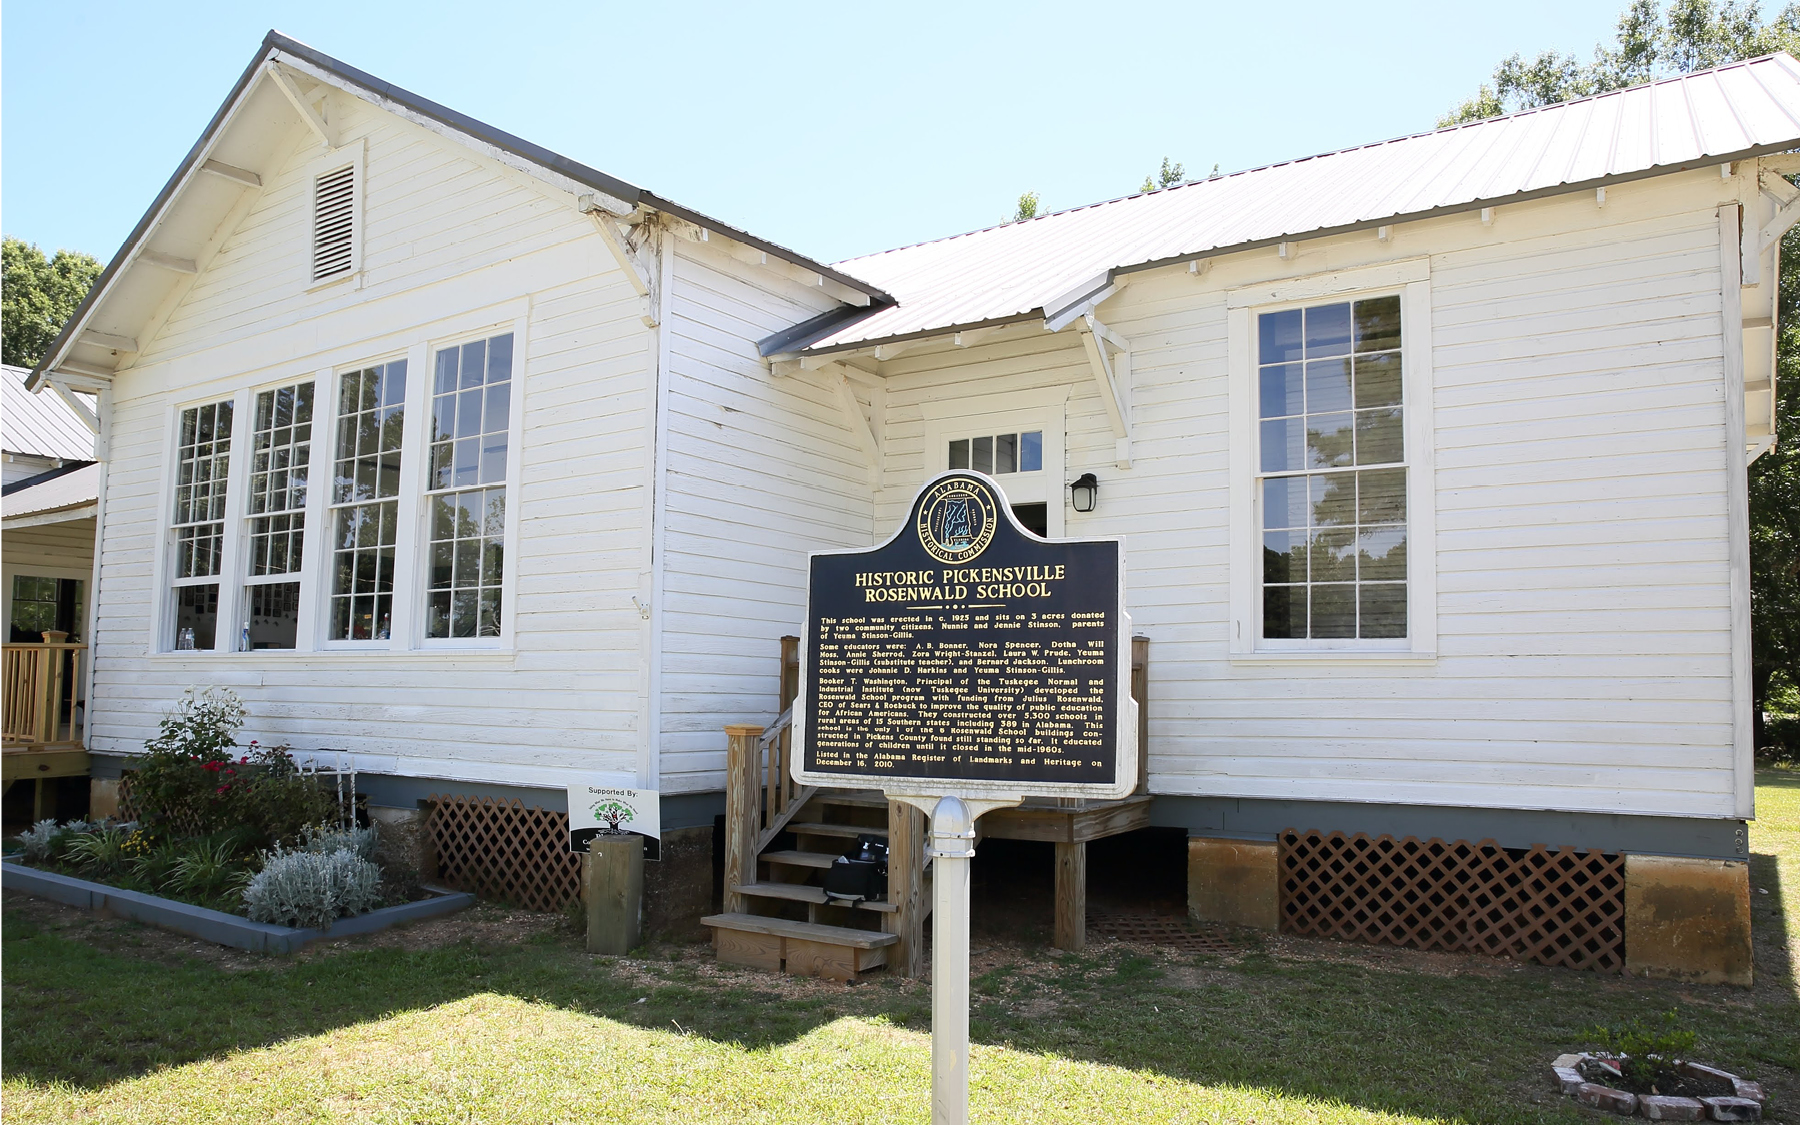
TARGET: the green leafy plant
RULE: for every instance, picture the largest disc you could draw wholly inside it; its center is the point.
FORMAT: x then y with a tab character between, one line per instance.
209	868
34	842
152	864
312	888
100	852
1647	1051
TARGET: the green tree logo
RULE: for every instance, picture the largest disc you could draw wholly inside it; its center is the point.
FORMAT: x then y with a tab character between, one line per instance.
614	813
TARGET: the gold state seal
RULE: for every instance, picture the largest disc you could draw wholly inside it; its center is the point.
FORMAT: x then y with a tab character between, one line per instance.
956	520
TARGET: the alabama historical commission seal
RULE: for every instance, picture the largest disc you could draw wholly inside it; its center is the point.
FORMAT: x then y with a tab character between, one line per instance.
956	520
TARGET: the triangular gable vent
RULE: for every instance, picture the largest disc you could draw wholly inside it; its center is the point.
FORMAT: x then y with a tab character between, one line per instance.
334	196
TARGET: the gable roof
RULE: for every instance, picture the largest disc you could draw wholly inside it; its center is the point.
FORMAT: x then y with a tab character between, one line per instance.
90	354
1038	267
40	425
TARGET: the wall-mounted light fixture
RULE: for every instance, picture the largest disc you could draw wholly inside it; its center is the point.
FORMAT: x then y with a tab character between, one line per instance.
1085	492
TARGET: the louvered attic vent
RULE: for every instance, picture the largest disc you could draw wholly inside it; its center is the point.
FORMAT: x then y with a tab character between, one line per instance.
334	196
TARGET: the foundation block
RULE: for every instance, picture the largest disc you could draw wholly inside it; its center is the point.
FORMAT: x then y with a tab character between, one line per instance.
1234	881
1688	919
103	798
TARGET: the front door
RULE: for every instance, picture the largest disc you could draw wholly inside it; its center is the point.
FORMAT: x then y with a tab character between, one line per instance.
1022	451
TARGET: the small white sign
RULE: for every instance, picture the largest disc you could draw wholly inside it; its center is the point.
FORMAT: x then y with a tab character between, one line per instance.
607	808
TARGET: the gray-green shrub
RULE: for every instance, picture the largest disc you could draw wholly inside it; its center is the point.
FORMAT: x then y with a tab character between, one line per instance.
324	838
312	889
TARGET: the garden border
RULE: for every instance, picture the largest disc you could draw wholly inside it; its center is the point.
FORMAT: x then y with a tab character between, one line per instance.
216	925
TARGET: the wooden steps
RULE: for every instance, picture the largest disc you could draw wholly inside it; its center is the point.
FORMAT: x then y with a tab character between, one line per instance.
820	860
803	892
850	831
806	949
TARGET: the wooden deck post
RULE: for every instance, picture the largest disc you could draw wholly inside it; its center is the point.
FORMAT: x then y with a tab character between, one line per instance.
1071	896
743	796
614	893
906	889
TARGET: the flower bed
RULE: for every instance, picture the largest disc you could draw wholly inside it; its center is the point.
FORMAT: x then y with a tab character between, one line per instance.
1689	1092
214	925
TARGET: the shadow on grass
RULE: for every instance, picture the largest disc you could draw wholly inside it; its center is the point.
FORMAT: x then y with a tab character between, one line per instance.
1466	1047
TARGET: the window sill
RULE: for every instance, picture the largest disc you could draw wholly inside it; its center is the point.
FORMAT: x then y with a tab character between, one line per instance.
346	655
1384	658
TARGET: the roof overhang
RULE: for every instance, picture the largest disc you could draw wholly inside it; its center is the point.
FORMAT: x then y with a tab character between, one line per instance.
168	246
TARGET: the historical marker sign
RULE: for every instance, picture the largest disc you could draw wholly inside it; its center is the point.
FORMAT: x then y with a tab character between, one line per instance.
968	656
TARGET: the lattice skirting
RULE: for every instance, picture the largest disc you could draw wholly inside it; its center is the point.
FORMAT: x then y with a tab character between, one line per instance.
1554	907
502	850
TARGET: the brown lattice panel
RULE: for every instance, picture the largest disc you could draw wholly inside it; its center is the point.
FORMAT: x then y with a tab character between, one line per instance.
1160	930
502	850
1554	907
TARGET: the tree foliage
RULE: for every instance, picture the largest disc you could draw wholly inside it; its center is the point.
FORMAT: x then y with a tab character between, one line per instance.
1651	42
1169	176
37	297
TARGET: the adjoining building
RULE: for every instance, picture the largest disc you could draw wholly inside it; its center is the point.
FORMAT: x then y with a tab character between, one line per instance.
491	472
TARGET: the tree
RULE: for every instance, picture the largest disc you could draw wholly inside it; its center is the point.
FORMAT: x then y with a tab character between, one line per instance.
1653	43
614	813
37	297
1170	175
1028	207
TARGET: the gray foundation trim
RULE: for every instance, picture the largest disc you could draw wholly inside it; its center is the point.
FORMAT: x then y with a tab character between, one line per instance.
1247	818
215	925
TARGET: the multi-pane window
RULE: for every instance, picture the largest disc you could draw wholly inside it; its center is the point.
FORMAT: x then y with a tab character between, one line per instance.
41	605
1000	453
203	464
365	490
281	452
471	408
1332	479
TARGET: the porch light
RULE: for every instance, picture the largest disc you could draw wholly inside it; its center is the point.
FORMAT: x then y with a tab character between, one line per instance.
1085	492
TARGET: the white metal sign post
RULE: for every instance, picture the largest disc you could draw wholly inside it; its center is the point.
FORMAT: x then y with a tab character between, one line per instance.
963	666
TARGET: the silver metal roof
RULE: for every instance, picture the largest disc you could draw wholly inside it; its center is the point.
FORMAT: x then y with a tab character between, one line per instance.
1017	270
41	425
67	495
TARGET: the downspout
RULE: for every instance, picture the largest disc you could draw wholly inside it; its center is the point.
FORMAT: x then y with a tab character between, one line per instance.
103	404
665	264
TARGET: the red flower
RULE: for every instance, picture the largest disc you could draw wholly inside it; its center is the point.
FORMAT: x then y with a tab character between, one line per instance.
210	767
223	788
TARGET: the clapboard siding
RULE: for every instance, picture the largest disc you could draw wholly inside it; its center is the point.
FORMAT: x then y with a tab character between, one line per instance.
760	471
448	234
1583	601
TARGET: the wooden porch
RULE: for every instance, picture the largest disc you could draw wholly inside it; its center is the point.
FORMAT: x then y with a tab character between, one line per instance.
780	836
43	734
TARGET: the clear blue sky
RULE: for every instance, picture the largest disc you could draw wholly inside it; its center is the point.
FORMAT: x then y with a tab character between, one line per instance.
837	129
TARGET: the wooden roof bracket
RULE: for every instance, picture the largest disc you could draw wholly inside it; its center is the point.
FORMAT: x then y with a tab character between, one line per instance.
638	265
312	118
1112	375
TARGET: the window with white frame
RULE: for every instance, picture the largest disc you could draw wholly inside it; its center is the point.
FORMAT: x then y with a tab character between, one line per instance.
280	457
999	454
1331	486
471	413
202	468
365	506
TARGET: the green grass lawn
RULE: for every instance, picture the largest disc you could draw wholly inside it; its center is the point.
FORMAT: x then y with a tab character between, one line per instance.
503	1018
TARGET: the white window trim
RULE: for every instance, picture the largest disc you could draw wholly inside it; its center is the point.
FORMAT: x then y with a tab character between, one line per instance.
355	156
303	637
321	616
1411	279
419	479
162	565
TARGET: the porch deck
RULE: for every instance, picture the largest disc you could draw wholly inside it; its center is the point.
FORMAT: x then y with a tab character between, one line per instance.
43	735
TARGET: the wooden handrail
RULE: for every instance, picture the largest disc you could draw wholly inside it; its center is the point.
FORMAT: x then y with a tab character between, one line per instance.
36	678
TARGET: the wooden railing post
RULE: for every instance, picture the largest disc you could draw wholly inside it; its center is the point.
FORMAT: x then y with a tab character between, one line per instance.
35	677
906	889
743	813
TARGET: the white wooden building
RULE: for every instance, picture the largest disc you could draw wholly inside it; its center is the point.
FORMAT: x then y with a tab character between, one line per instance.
1429	456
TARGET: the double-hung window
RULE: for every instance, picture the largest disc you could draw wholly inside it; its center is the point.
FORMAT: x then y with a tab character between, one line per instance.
280	457
1332	471
471	411
365	505
1331	468
202	468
